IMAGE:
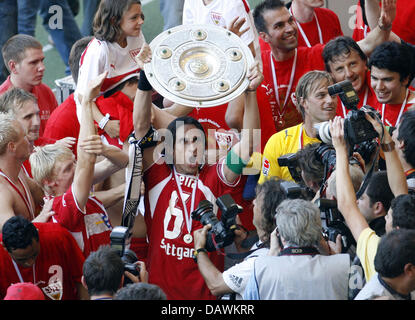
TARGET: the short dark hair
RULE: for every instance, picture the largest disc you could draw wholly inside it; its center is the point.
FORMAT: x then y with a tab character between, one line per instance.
273	196
338	47
394	57
19	233
75	55
311	167
15	48
403	208
395	250
140	291
172	127
406	133
103	270
107	20
378	189
259	11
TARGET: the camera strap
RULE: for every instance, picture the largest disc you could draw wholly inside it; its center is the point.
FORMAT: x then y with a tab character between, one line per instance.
299	251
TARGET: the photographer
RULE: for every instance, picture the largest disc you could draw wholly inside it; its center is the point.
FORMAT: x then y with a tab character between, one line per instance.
366	238
395	264
299	272
315	105
234	279
103	273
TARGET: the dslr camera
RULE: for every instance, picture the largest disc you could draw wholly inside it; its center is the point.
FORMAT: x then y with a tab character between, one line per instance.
222	232
293	190
119	237
290	160
357	128
335	223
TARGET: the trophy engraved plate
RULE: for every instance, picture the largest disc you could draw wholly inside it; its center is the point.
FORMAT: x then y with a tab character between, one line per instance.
199	65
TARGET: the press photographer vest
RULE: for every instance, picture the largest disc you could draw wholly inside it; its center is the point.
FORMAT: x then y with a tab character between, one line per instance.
302	276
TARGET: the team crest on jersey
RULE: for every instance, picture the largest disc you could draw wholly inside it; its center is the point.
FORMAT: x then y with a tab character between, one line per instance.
134	53
54	290
216	17
265	167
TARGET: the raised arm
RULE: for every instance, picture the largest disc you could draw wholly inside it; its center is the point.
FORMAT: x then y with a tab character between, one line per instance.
84	171
380	21
346	199
242	151
381	29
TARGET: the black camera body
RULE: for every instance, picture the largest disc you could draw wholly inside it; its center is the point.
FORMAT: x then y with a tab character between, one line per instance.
222	232
357	128
335	224
293	190
290	160
119	237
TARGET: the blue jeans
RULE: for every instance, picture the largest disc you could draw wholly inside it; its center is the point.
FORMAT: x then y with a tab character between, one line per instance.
8	23
63	28
90	7
27	13
172	12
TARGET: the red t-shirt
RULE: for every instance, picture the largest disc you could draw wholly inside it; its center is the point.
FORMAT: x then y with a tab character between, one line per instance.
329	25
170	261
308	59
58	266
63	122
45	99
91	228
391	112
120	107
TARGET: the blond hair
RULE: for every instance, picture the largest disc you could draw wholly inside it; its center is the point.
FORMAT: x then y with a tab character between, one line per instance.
44	159
8	132
308	83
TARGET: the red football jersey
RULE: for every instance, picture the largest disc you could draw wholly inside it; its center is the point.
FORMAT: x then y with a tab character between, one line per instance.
170	261
58	267
91	228
308	59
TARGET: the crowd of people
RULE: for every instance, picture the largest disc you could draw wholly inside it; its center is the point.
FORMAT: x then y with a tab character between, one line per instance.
119	193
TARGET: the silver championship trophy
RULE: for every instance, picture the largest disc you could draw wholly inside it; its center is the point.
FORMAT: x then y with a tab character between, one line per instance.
199	65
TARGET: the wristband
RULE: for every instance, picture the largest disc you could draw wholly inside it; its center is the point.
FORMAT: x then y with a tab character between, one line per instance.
104	121
143	83
197	251
234	162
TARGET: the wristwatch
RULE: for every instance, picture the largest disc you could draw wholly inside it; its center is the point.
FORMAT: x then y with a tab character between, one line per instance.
104	121
387	147
197	251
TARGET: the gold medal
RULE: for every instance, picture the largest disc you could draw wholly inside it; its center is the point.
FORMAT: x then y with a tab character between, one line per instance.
188	238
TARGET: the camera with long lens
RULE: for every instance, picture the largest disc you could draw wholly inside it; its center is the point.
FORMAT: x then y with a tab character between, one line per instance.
334	223
221	233
327	155
357	128
290	160
119	238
